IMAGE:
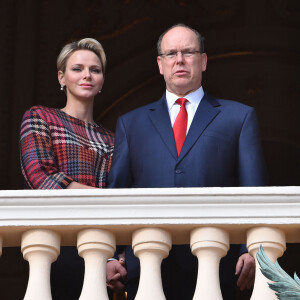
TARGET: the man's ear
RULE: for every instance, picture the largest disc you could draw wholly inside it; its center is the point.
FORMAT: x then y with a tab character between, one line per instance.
160	65
203	61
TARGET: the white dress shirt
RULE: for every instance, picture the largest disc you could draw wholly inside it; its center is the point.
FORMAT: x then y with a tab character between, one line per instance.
194	100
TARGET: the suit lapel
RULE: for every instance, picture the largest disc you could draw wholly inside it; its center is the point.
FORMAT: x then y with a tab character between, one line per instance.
160	118
205	114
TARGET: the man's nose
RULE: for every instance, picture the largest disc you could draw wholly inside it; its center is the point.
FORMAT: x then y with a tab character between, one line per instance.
179	57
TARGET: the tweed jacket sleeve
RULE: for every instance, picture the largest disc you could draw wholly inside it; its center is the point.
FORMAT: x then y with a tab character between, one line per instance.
38	162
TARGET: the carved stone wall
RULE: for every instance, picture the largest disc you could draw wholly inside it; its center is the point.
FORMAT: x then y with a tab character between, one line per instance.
253	49
252	46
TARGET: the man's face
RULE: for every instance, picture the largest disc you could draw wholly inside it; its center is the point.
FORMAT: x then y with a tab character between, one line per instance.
182	74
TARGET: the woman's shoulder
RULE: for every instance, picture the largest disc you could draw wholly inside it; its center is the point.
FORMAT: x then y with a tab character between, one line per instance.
39	109
41	112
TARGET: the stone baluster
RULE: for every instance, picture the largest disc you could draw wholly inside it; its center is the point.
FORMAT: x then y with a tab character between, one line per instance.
209	244
95	246
273	242
151	245
40	247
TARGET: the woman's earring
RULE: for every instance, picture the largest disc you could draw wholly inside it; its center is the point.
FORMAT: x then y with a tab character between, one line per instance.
99	92
62	87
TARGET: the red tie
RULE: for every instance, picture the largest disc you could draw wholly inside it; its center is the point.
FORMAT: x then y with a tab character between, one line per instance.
180	125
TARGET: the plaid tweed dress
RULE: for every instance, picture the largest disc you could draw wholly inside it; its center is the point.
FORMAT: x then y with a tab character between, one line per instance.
57	149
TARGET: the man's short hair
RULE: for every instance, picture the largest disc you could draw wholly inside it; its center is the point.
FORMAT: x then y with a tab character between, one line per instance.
199	36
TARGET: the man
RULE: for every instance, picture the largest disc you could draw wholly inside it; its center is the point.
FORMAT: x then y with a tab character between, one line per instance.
221	148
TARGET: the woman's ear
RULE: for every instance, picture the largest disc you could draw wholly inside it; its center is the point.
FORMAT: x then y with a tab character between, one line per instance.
60	76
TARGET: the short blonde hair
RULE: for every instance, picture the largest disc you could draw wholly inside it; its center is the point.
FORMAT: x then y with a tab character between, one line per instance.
83	44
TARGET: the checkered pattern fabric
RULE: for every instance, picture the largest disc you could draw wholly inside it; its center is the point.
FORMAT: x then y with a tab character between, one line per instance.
57	149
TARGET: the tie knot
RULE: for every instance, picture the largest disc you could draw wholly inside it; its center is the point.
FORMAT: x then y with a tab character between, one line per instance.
181	101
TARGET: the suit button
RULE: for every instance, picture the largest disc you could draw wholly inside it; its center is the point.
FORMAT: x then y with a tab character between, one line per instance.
178	171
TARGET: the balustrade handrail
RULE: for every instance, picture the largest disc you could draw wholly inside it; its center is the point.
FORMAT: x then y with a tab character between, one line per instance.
181	208
94	220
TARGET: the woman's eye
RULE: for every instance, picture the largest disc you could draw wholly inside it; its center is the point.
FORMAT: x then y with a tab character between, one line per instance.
76	69
96	71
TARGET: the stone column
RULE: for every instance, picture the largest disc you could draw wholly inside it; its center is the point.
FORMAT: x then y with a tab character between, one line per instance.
40	247
274	244
95	246
151	245
209	244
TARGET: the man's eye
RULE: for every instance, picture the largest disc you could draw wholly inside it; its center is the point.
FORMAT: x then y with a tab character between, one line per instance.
187	53
171	54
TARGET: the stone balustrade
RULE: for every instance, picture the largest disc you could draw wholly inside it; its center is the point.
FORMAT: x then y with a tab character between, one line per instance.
208	219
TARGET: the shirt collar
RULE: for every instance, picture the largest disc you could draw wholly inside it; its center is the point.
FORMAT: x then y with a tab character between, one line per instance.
193	97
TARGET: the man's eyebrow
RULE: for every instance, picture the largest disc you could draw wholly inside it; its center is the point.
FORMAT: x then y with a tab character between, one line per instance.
183	49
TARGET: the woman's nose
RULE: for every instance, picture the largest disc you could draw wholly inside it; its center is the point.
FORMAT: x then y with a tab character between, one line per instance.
87	73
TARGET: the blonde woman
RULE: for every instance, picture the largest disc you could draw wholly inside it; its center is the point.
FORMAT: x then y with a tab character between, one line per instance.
65	148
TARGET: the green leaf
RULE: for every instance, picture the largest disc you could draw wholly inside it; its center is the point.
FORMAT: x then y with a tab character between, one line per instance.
283	284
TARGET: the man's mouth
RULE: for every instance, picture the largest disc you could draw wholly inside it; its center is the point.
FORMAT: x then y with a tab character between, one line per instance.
181	72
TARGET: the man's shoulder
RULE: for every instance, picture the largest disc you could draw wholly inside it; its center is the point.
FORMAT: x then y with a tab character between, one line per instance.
231	104
142	109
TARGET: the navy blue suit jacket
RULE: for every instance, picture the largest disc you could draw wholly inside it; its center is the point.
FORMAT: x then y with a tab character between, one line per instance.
222	148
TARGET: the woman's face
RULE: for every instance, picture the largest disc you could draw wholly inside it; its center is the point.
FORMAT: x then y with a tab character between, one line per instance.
83	76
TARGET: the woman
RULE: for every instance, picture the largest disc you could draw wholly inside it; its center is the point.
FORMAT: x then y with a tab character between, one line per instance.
65	148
